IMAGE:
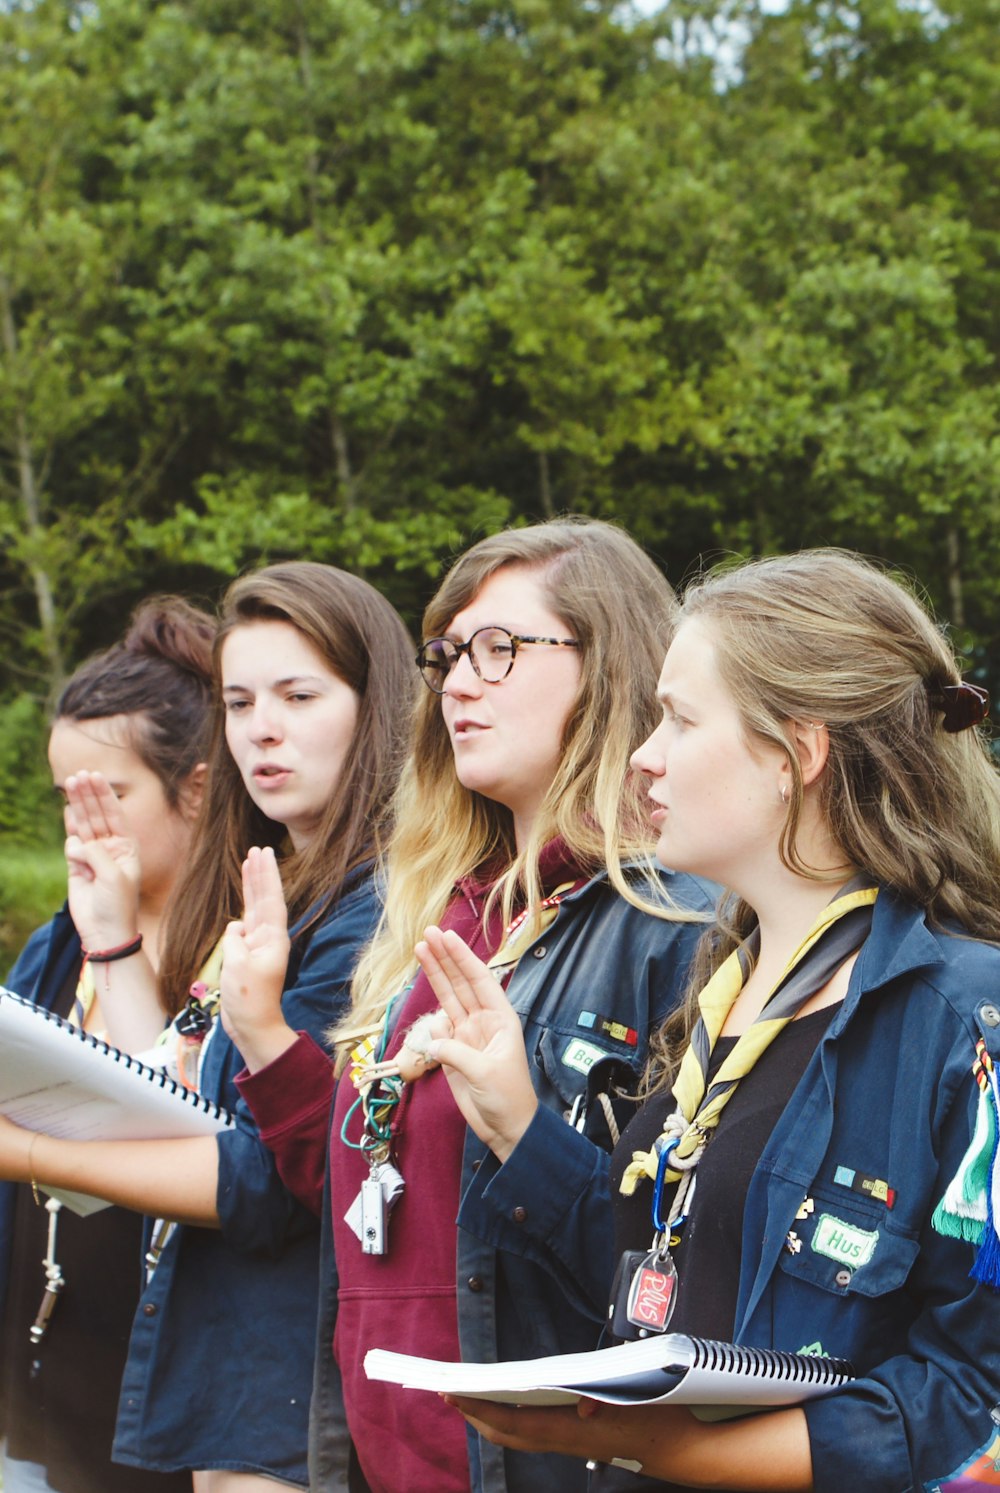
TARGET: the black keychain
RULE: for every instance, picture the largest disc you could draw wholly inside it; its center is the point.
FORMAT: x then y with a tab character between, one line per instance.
644	1291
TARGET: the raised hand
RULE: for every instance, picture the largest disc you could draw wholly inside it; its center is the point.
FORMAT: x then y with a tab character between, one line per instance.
254	963
484	1059
102	863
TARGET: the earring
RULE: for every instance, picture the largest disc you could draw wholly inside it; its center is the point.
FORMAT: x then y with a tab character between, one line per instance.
783	794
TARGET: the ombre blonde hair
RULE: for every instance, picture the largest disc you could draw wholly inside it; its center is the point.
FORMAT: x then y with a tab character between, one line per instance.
825	636
612	598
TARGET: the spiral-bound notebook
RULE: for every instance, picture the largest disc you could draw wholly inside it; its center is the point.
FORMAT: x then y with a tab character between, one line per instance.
687	1370
63	1081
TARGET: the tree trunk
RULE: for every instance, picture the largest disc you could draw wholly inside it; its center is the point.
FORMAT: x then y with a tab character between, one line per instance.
545	485
956	595
28	492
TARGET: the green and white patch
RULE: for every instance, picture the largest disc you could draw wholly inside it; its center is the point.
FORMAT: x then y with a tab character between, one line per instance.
844	1242
581	1055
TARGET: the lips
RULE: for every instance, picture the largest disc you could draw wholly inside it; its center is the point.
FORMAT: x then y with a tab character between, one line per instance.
465	728
271	775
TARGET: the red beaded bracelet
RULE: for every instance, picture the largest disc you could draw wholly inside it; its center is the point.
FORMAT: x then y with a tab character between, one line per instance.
123	951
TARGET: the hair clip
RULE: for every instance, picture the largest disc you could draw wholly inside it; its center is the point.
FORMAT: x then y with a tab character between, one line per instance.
963	705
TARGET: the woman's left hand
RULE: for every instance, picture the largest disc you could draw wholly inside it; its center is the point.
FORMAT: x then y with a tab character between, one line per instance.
769	1451
484	1059
588	1429
254	964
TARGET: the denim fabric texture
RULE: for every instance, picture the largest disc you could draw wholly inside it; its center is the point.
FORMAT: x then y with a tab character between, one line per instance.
515	1297
888	1096
220	1362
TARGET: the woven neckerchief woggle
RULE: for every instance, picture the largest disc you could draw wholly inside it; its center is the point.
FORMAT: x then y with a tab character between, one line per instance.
839	931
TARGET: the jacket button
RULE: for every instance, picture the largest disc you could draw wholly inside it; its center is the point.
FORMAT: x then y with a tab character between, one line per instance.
474	1283
990	1015
149	1310
476	1164
843	1277
519	1215
540	951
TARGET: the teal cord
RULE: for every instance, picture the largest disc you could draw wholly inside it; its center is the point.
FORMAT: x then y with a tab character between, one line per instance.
390	1101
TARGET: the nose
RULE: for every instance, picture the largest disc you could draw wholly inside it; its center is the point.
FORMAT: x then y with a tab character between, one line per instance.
462	681
649	758
265	723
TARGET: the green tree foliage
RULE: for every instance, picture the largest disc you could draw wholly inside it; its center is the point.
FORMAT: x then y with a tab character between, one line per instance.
360	279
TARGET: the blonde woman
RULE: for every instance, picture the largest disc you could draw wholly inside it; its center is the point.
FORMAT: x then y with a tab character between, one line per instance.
518	824
818	755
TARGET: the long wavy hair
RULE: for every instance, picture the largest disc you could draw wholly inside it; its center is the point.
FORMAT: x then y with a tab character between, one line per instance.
360	637
610	596
827	636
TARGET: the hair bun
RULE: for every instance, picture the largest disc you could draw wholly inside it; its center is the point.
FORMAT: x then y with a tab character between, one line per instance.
170	628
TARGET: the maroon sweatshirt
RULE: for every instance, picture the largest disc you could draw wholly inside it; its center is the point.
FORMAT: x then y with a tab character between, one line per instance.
406	1299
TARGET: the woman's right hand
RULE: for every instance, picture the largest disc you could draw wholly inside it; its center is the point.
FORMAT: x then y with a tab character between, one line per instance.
484	1058
102	863
254	964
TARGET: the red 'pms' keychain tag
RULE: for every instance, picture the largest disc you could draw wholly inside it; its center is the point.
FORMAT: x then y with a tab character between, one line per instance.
651	1294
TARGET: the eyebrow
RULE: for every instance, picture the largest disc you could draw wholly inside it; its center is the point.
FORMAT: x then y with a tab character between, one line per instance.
276	684
667	697
453	635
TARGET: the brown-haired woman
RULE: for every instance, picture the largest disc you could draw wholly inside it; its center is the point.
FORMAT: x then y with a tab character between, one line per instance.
138	714
314	674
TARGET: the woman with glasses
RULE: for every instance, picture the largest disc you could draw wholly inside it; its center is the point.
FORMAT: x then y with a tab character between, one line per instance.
519	825
815	1166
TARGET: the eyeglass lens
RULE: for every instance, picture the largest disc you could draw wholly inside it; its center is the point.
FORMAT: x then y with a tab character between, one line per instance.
491	651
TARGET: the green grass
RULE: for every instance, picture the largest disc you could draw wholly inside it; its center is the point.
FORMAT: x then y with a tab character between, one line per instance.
32	887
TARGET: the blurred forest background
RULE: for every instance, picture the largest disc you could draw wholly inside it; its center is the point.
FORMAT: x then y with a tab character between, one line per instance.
362	279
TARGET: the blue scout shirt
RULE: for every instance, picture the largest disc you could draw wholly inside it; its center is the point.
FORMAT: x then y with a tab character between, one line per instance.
839	1256
219	1367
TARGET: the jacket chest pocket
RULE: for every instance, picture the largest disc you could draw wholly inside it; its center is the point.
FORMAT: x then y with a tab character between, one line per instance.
575	1067
842	1283
846	1247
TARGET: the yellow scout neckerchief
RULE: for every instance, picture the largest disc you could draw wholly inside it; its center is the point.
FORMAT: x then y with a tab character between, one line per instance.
689	1127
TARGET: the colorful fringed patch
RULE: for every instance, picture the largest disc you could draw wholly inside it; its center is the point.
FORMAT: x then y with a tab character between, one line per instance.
970	1207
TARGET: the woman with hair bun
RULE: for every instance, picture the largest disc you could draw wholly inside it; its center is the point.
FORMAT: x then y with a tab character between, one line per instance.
130	731
817	1153
314	682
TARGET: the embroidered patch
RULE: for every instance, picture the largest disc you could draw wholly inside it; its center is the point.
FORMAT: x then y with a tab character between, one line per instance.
807	1209
843	1242
982	1470
616	1030
814	1350
872	1187
582	1056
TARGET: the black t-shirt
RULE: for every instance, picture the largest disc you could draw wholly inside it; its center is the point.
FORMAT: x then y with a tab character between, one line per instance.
62	1394
711	1241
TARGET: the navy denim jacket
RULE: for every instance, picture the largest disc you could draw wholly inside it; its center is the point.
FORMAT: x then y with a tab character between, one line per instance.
601	964
219	1366
888	1096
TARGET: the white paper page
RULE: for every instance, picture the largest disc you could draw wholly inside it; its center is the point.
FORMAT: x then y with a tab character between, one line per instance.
52	1079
